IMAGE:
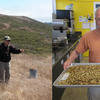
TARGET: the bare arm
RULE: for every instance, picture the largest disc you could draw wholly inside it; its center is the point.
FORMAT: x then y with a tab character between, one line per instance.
72	57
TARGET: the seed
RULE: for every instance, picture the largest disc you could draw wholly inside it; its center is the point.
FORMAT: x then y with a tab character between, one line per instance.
82	75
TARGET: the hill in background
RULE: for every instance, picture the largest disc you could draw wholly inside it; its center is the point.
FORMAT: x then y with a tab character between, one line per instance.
33	36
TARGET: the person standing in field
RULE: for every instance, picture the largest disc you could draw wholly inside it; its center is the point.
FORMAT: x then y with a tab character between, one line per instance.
5	56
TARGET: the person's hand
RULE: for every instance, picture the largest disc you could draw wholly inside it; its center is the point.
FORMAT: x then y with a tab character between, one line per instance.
66	64
22	50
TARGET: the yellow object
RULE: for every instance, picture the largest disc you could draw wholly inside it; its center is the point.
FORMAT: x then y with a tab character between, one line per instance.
81	9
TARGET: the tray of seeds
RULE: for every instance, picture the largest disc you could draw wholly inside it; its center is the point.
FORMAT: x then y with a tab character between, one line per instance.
79	75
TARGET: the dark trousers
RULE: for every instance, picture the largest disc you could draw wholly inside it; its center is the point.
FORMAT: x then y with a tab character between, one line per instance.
4	72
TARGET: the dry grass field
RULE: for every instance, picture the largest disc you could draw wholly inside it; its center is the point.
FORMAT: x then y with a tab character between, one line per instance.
20	86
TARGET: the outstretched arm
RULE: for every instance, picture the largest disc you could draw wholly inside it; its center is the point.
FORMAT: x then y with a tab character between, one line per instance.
16	50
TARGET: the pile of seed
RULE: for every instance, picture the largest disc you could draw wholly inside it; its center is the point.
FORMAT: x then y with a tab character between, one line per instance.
82	75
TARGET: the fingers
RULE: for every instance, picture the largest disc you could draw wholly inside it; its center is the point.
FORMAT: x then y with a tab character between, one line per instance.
22	50
66	64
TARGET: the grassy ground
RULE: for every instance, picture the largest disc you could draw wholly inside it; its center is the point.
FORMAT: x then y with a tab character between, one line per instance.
33	36
32	43
21	87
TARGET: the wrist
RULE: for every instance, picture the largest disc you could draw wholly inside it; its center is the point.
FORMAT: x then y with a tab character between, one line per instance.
70	60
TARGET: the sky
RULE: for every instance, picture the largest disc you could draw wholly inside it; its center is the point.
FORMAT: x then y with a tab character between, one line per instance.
40	10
